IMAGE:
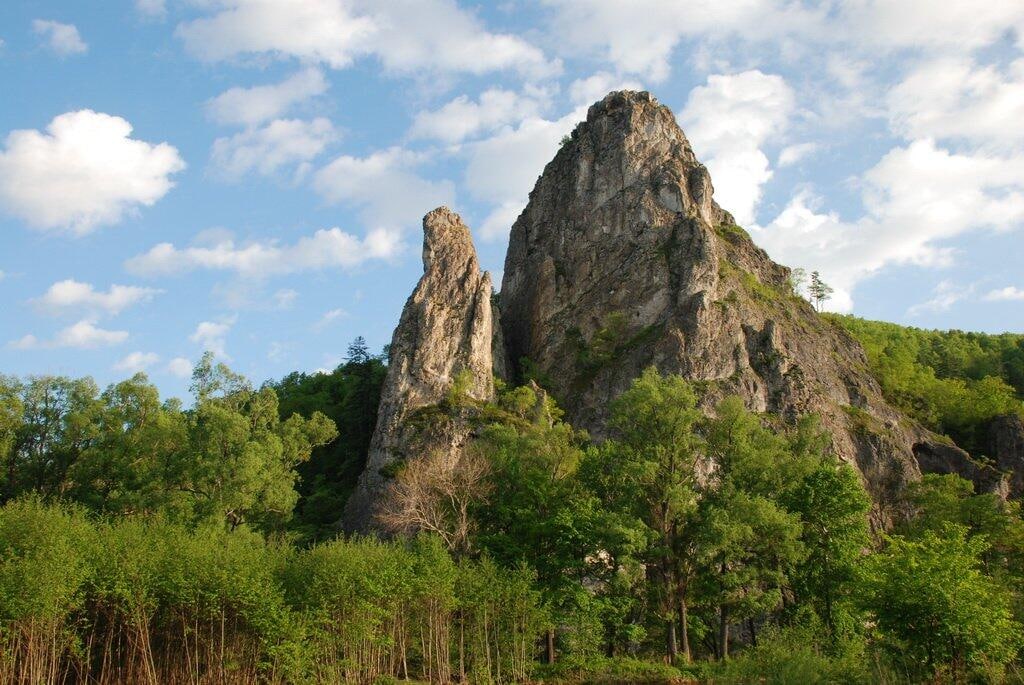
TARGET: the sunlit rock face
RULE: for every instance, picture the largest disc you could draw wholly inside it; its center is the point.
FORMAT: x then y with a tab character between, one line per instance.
446	329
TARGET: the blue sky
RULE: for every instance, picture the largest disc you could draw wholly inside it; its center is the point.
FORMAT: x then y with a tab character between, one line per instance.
248	176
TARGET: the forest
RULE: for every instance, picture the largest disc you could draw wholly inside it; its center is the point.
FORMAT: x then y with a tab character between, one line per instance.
155	541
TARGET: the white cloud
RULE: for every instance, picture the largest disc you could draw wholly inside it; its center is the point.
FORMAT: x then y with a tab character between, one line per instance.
405	35
180	367
792	154
1008	294
463	118
72	295
586	91
951	97
83	172
152	9
136	362
923	24
251	106
639	37
326	248
944	296
82	335
284	298
328	318
63	39
385	187
212	336
916	197
728	120
265	150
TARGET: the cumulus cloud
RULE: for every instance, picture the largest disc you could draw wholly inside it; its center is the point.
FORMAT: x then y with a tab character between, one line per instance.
405	35
463	118
151	9
76	296
328	318
728	121
385	187
586	91
325	249
792	154
954	98
251	106
136	362
211	336
639	37
916	198
63	39
1008	294
83	335
180	367
944	296
266	150
84	171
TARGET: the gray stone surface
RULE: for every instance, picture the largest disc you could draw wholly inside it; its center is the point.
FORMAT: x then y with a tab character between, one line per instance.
447	327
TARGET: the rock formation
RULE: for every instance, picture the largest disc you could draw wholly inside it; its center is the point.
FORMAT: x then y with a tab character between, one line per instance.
446	331
1006	448
622	259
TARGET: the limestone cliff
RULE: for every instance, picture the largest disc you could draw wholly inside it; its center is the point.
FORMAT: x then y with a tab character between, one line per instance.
447	329
622	259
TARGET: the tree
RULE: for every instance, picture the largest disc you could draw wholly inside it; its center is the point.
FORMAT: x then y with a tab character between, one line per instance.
435	493
833	508
240	461
819	291
124	470
648	471
748	542
349	396
936	609
536	513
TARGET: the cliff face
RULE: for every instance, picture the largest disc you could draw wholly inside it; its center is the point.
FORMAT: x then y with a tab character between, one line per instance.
622	260
447	329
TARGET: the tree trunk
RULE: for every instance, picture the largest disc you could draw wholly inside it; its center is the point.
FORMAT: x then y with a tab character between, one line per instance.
549	654
684	634
671	649
723	633
753	631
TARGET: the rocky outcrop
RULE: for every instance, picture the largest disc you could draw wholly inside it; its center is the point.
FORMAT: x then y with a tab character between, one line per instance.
1006	448
622	259
446	332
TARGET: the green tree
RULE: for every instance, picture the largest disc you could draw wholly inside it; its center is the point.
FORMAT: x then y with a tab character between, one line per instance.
536	513
240	461
936	610
647	473
748	541
124	470
819	290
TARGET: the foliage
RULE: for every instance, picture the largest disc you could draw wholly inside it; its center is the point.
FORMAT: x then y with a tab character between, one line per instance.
348	396
952	382
936	609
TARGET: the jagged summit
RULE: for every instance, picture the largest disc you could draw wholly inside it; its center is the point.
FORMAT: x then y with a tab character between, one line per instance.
622	259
